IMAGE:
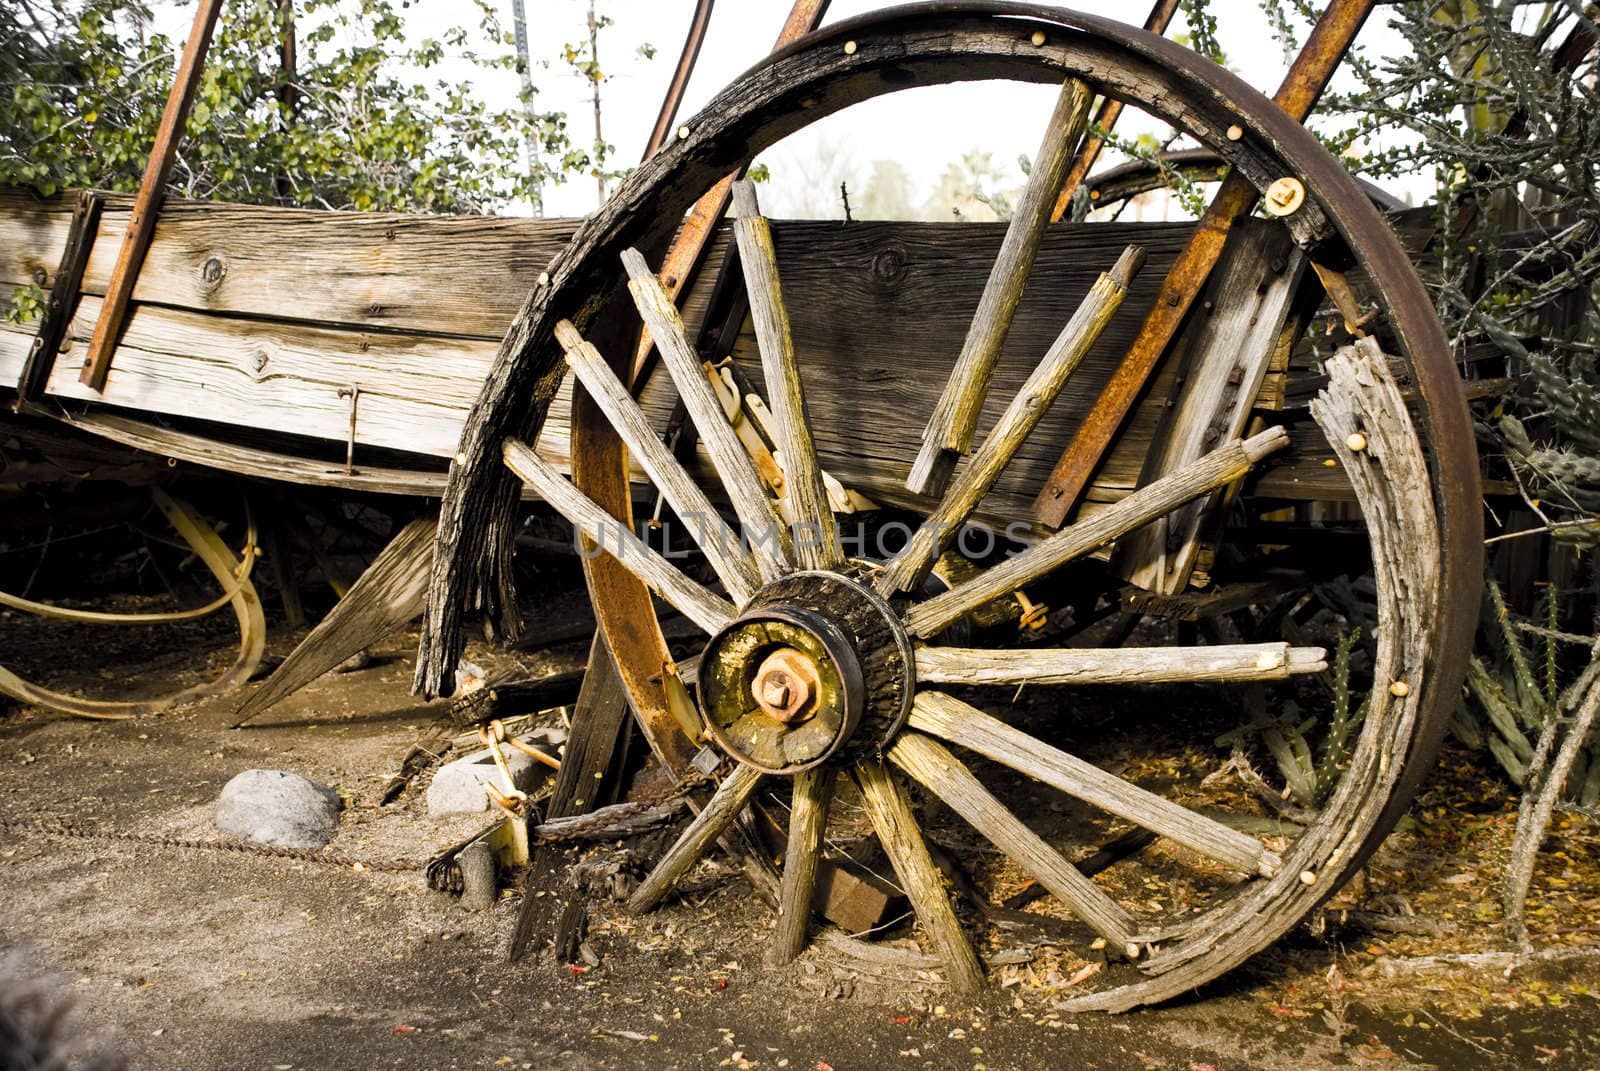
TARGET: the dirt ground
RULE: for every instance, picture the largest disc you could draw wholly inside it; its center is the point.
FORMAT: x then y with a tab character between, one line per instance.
205	959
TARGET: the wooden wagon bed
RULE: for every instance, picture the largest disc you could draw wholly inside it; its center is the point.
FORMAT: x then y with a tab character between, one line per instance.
251	325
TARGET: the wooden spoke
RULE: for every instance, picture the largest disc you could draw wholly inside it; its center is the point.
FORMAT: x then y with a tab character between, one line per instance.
892	817
730	799
950	430
1221	466
816	538
907	569
941	773
808	816
735	568
1118	665
711	612
950	719
769	540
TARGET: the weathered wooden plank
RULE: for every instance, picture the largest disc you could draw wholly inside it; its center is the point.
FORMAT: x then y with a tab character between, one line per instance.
936	769
1117	665
33	232
948	718
415	390
1227	345
890	809
388	596
950	430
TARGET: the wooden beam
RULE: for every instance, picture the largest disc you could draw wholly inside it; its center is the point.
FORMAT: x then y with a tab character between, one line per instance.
1324	50
1123	665
950	429
730	799
816	543
932	766
388	596
1221	466
711	612
808	821
907	569
762	526
152	189
1226	346
948	718
890	809
733	566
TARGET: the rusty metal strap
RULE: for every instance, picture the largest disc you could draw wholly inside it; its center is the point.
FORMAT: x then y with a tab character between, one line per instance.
63	302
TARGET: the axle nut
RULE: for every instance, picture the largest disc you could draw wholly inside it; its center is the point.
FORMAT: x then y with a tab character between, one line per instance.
786	685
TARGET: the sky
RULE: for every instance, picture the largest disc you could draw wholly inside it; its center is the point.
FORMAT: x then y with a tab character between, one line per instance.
923	129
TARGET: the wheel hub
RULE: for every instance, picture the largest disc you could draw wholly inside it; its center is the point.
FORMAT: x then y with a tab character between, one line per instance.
816	668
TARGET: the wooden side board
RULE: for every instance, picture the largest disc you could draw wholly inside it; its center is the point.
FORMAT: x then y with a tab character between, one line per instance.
259	317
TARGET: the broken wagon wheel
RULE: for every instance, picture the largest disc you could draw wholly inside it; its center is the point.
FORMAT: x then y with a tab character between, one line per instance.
841	699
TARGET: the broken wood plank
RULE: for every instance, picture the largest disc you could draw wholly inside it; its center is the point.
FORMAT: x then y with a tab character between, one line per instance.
387	597
950	430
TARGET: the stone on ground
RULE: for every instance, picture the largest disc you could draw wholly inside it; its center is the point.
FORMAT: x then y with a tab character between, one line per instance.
279	808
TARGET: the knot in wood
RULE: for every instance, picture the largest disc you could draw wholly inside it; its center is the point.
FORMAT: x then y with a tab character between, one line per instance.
213	271
889	266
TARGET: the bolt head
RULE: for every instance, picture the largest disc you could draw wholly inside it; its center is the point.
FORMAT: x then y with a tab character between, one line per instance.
786	685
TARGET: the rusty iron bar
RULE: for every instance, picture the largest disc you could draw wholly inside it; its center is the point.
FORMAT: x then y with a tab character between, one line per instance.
1329	41
688	250
63	302
1105	117
680	77
147	205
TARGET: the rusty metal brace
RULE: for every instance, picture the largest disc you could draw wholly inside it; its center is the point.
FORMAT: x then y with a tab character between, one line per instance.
352	392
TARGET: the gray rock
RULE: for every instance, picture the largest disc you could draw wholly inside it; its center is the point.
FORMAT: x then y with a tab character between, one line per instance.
279	808
457	787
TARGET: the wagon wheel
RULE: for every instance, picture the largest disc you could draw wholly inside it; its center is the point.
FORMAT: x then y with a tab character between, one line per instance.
819	667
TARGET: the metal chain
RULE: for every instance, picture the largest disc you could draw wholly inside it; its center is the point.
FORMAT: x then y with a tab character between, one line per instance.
68	829
619	819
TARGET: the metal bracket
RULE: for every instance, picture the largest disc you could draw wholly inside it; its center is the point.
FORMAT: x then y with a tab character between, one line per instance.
63	303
